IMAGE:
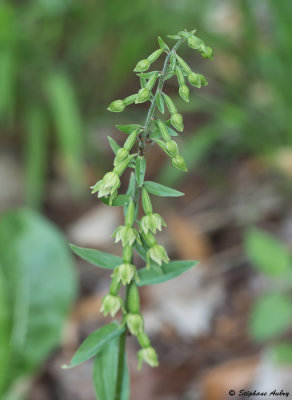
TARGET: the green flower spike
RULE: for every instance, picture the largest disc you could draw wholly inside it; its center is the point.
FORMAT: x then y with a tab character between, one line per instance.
111	304
151	222
125	273
135	323
107	186
127	235
147	355
158	254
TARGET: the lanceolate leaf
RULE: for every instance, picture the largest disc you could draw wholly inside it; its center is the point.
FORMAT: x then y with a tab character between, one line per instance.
140	169
169	271
105	372
161	190
160	102
162	44
97	257
93	344
128	128
114	145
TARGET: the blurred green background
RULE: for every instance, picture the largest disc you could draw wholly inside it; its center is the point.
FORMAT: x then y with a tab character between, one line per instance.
61	63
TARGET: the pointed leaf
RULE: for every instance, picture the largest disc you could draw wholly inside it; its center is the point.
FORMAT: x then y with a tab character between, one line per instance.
160	102
97	257
140	169
114	145
161	190
162	44
93	344
105	372
168	271
128	128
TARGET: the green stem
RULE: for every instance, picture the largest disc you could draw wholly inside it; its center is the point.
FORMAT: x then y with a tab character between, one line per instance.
153	105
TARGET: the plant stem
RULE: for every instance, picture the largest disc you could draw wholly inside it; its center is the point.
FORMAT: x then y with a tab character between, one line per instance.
151	112
153	104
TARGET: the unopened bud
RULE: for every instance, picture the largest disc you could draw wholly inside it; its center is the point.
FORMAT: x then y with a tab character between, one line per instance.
172	148
194	79
194	42
179	163
122	165
142	96
134	299
183	64
116	106
131	139
177	121
147	355
114	286
130	99
170	104
149	239
121	155
142	66
180	76
208	52
184	92
163	131
130	215
151	81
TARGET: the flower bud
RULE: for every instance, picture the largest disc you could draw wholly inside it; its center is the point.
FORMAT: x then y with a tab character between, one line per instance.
170	104
122	165
158	254
162	144
143	340
125	273
114	286
135	323
146	202
184	92
130	215
179	163
194	42
154	55
151	81
127	254
116	106
111	304
131	139
127	235
194	79
121	155
180	76
147	355
149	239
177	121
142	96
134	299
208	52
183	64
163	131
203	80
172	148
142	66
129	100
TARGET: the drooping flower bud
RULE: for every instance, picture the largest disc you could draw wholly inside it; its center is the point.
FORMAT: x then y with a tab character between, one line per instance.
130	215
149	238
146	202
170	104
142	96
183	64
151	81
208	52
111	304
143	340
158	254
177	121
122	165
147	355
127	235
108	185
151	222
172	148
163	130
135	323
184	92
180	76
131	139
142	66
124	273
134	299
153	57
117	106
121	155
195	43
179	163
203	80
195	79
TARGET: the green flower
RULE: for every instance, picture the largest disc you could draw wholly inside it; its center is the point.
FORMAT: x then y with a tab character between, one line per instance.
151	222
135	323
127	235
107	186
111	304
125	273
117	106
147	355
158	254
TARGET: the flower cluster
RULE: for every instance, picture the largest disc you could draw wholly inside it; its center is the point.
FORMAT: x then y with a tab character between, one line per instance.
138	233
